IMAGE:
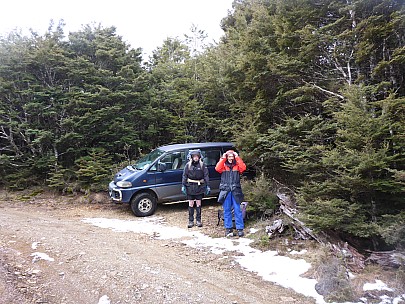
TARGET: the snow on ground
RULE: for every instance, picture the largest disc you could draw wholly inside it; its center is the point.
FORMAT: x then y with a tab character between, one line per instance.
41	256
269	265
104	300
378	285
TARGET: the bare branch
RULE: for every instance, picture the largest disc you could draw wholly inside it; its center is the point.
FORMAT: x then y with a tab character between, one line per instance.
326	91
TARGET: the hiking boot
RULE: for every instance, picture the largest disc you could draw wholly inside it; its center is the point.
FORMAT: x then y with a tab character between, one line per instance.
240	232
198	217
190	217
228	232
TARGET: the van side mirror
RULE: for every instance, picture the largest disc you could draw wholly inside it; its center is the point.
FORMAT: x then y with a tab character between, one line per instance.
162	167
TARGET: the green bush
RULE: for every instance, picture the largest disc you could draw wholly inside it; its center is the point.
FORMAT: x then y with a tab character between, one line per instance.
258	192
94	170
392	229
62	179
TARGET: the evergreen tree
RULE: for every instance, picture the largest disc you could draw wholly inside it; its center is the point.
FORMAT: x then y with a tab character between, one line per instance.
106	95
356	187
290	62
93	171
61	98
32	82
176	93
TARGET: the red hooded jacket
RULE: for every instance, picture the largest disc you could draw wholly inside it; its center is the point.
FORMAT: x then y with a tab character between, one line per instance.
230	178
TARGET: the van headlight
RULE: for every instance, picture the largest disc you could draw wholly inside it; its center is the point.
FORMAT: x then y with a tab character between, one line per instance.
124	184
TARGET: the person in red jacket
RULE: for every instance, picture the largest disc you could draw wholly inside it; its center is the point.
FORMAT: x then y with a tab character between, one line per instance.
231	166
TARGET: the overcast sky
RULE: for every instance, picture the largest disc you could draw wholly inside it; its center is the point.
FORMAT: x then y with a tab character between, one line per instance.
142	23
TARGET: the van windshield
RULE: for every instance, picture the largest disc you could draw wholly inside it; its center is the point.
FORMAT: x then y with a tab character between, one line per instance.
147	159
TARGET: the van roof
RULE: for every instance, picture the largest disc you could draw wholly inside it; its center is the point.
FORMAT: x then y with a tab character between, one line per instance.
195	146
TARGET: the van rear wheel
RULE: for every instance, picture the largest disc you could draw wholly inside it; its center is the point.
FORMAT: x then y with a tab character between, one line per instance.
143	204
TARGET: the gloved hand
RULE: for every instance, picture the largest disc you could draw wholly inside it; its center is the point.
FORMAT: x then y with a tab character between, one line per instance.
183	190
207	190
224	155
235	154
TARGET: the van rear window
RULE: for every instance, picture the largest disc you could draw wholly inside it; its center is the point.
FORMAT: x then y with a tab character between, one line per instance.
211	156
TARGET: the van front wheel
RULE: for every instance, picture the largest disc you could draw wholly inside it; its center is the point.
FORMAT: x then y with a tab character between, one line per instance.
143	204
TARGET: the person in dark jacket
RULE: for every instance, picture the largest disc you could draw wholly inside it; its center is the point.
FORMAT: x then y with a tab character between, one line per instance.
194	184
231	166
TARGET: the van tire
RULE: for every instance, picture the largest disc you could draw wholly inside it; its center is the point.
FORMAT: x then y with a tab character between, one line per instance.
143	204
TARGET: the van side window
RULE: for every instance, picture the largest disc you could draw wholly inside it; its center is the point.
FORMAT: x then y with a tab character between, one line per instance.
211	156
174	160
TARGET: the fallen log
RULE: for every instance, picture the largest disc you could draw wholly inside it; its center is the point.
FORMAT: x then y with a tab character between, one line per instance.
277	226
299	227
353	258
392	259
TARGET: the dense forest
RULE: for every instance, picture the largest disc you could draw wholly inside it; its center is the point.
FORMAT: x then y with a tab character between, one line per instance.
312	93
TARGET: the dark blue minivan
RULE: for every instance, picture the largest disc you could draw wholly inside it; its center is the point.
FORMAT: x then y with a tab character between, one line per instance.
156	177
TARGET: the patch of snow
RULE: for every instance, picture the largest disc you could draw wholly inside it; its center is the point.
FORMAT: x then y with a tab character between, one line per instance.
269	265
378	285
144	225
104	300
399	299
253	230
220	245
351	275
41	256
385	300
34	245
281	270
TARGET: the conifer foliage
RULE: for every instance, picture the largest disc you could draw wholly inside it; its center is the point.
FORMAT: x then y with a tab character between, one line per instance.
312	92
323	87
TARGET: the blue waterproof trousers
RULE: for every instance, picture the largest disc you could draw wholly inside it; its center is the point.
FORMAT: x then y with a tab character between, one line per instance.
229	204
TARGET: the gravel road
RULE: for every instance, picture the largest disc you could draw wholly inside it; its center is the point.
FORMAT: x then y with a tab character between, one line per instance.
49	255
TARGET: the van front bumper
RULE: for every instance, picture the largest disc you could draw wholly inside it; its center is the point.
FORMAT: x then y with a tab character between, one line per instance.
120	194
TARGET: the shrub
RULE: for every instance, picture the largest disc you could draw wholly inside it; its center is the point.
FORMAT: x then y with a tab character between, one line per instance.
93	171
392	229
258	192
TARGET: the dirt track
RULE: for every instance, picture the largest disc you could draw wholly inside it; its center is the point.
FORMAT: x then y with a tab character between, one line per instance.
91	262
